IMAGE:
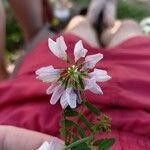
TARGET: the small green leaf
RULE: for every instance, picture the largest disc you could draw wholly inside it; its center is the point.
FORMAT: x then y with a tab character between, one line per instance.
86	121
69	123
81	131
79	142
81	82
74	137
82	146
104	144
63	132
92	108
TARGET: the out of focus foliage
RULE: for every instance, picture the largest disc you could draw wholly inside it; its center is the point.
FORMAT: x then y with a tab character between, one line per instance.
134	9
14	38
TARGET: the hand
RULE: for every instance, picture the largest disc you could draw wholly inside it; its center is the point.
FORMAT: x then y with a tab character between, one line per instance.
12	138
107	7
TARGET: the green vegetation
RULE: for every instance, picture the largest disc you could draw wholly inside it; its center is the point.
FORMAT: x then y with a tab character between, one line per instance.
131	9
14	38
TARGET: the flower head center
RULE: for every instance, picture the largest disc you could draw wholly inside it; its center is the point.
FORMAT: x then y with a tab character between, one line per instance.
72	70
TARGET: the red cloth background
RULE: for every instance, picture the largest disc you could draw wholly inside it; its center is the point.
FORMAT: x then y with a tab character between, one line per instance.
126	99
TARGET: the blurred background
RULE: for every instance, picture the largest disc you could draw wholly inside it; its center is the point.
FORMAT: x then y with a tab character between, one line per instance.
63	10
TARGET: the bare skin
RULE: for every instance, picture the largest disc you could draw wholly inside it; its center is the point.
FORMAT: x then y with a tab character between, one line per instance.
13	138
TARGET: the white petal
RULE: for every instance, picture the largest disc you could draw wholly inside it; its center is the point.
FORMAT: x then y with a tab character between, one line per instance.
55	144
100	75
79	100
51	89
58	48
48	74
91	60
44	146
44	70
63	101
69	98
72	101
93	86
53	47
61	43
79	51
58	91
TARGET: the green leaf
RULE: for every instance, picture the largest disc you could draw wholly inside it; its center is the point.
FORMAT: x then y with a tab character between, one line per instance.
82	146
79	142
69	123
74	137
86	121
63	132
104	144
81	131
92	108
81	82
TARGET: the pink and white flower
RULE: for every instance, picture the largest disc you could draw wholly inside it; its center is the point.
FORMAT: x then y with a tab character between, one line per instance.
66	83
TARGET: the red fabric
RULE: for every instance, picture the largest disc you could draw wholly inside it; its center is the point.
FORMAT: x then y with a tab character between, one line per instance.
126	99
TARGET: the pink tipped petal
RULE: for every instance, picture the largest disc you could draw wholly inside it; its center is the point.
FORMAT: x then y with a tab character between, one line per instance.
100	75
58	48
53	47
50	90
48	74
49	77
58	91
79	51
91	60
93	86
44	146
44	70
61	43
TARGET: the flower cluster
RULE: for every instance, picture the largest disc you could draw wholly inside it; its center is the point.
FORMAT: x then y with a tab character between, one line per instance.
67	84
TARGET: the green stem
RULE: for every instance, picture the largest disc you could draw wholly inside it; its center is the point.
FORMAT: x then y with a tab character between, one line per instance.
78	119
89	138
65	126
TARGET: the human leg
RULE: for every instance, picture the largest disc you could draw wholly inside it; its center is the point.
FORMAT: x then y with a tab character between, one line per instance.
29	13
3	73
120	32
81	27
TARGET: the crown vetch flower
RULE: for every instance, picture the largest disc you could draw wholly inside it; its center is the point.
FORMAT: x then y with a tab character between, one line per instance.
68	83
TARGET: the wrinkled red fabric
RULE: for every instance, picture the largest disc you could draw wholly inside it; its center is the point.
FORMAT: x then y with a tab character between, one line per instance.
126	99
